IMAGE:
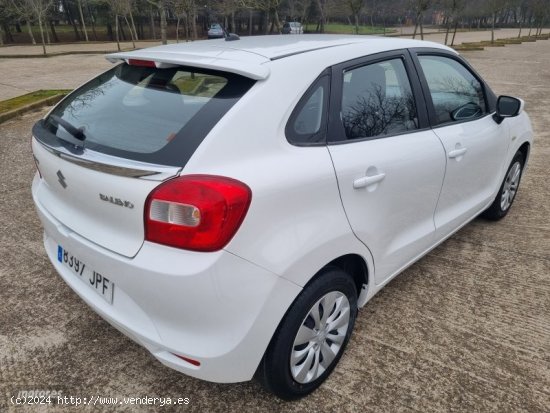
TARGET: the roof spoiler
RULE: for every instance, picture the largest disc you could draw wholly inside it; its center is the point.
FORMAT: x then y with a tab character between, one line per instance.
164	59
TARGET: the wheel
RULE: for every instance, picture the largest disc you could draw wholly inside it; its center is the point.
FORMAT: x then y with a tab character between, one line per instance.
311	337
508	190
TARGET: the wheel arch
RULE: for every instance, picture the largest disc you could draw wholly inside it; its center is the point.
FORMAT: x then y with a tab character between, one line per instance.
525	149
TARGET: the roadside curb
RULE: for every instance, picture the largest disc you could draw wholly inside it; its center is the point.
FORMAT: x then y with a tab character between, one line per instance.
472	46
51	100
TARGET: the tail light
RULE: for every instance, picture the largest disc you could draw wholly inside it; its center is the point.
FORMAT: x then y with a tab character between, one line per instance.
196	212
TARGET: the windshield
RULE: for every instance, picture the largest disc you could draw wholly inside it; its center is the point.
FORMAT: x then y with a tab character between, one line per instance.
140	112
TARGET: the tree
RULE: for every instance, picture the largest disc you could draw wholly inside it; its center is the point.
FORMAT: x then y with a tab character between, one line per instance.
494	6
79	3
452	10
355	7
420	7
37	9
160	5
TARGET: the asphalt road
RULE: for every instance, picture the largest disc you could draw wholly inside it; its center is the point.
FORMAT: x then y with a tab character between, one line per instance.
466	329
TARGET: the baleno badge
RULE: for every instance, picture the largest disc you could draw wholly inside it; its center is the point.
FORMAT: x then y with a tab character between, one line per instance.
116	201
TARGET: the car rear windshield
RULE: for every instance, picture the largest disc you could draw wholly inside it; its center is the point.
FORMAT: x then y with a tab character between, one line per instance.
145	113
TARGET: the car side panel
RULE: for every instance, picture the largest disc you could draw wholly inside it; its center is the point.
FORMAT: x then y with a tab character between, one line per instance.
296	223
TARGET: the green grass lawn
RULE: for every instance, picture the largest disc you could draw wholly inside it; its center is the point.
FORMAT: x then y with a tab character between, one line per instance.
20	101
340	28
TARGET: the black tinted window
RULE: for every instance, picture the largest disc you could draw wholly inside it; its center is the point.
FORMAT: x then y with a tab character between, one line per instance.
456	94
140	112
377	100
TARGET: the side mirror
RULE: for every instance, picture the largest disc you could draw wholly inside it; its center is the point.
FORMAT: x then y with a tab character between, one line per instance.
507	107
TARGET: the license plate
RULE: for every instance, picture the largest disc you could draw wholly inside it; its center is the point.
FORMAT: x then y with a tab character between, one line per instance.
98	282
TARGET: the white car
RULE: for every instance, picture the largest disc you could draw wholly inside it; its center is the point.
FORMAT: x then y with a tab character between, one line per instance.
293	28
231	213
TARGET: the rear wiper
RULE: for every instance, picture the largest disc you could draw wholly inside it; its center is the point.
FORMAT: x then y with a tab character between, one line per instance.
78	133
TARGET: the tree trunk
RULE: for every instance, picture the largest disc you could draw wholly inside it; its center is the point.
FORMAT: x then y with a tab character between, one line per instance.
29	28
116	33
448	29
163	24
178	29
79	3
267	22
121	29
454	33
54	33
520	24
92	20
233	27
7	33
276	22
250	22
1	36
356	20
133	24
131	32
493	27
110	35
45	29
153	34
422	27
186	27
194	24
42	34
71	20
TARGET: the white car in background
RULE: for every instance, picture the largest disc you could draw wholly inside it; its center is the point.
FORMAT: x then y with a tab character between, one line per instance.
231	213
293	28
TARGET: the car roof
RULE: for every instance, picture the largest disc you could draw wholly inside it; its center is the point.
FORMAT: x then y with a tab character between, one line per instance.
249	55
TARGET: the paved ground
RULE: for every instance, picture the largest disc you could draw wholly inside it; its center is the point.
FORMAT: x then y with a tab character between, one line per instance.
69	71
466	329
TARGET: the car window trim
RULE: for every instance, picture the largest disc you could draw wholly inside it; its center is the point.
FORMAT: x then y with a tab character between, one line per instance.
336	134
489	96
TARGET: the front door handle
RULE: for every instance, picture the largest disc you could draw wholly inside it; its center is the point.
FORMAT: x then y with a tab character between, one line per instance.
457	152
368	180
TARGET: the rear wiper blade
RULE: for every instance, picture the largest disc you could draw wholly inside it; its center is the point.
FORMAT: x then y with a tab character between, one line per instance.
78	133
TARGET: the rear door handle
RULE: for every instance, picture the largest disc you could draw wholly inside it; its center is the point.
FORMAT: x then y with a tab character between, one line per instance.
368	180
457	152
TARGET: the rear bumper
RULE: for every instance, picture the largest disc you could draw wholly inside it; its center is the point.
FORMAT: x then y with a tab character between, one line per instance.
215	308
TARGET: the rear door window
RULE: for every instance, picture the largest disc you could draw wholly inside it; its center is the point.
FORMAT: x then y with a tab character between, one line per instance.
145	113
377	101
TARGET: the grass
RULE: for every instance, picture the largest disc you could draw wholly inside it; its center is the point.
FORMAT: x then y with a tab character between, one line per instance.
339	28
21	101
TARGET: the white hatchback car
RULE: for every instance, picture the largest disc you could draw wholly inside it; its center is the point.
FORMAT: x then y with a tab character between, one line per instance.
231	213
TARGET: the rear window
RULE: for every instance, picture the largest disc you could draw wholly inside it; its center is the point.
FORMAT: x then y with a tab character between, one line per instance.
144	113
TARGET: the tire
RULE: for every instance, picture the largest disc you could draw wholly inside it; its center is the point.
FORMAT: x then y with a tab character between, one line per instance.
508	190
335	289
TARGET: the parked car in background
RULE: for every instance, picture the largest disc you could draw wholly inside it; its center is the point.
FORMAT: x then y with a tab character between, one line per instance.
233	234
216	31
293	28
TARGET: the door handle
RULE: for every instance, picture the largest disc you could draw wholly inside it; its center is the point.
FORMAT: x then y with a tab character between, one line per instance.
368	180
457	152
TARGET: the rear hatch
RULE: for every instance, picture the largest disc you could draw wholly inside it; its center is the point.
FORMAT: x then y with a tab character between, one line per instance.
103	149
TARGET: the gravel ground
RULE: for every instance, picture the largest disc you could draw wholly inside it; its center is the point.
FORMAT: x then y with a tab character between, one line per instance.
466	329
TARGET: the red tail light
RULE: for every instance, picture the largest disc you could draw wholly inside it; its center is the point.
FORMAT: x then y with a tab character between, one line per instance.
196	212
143	63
